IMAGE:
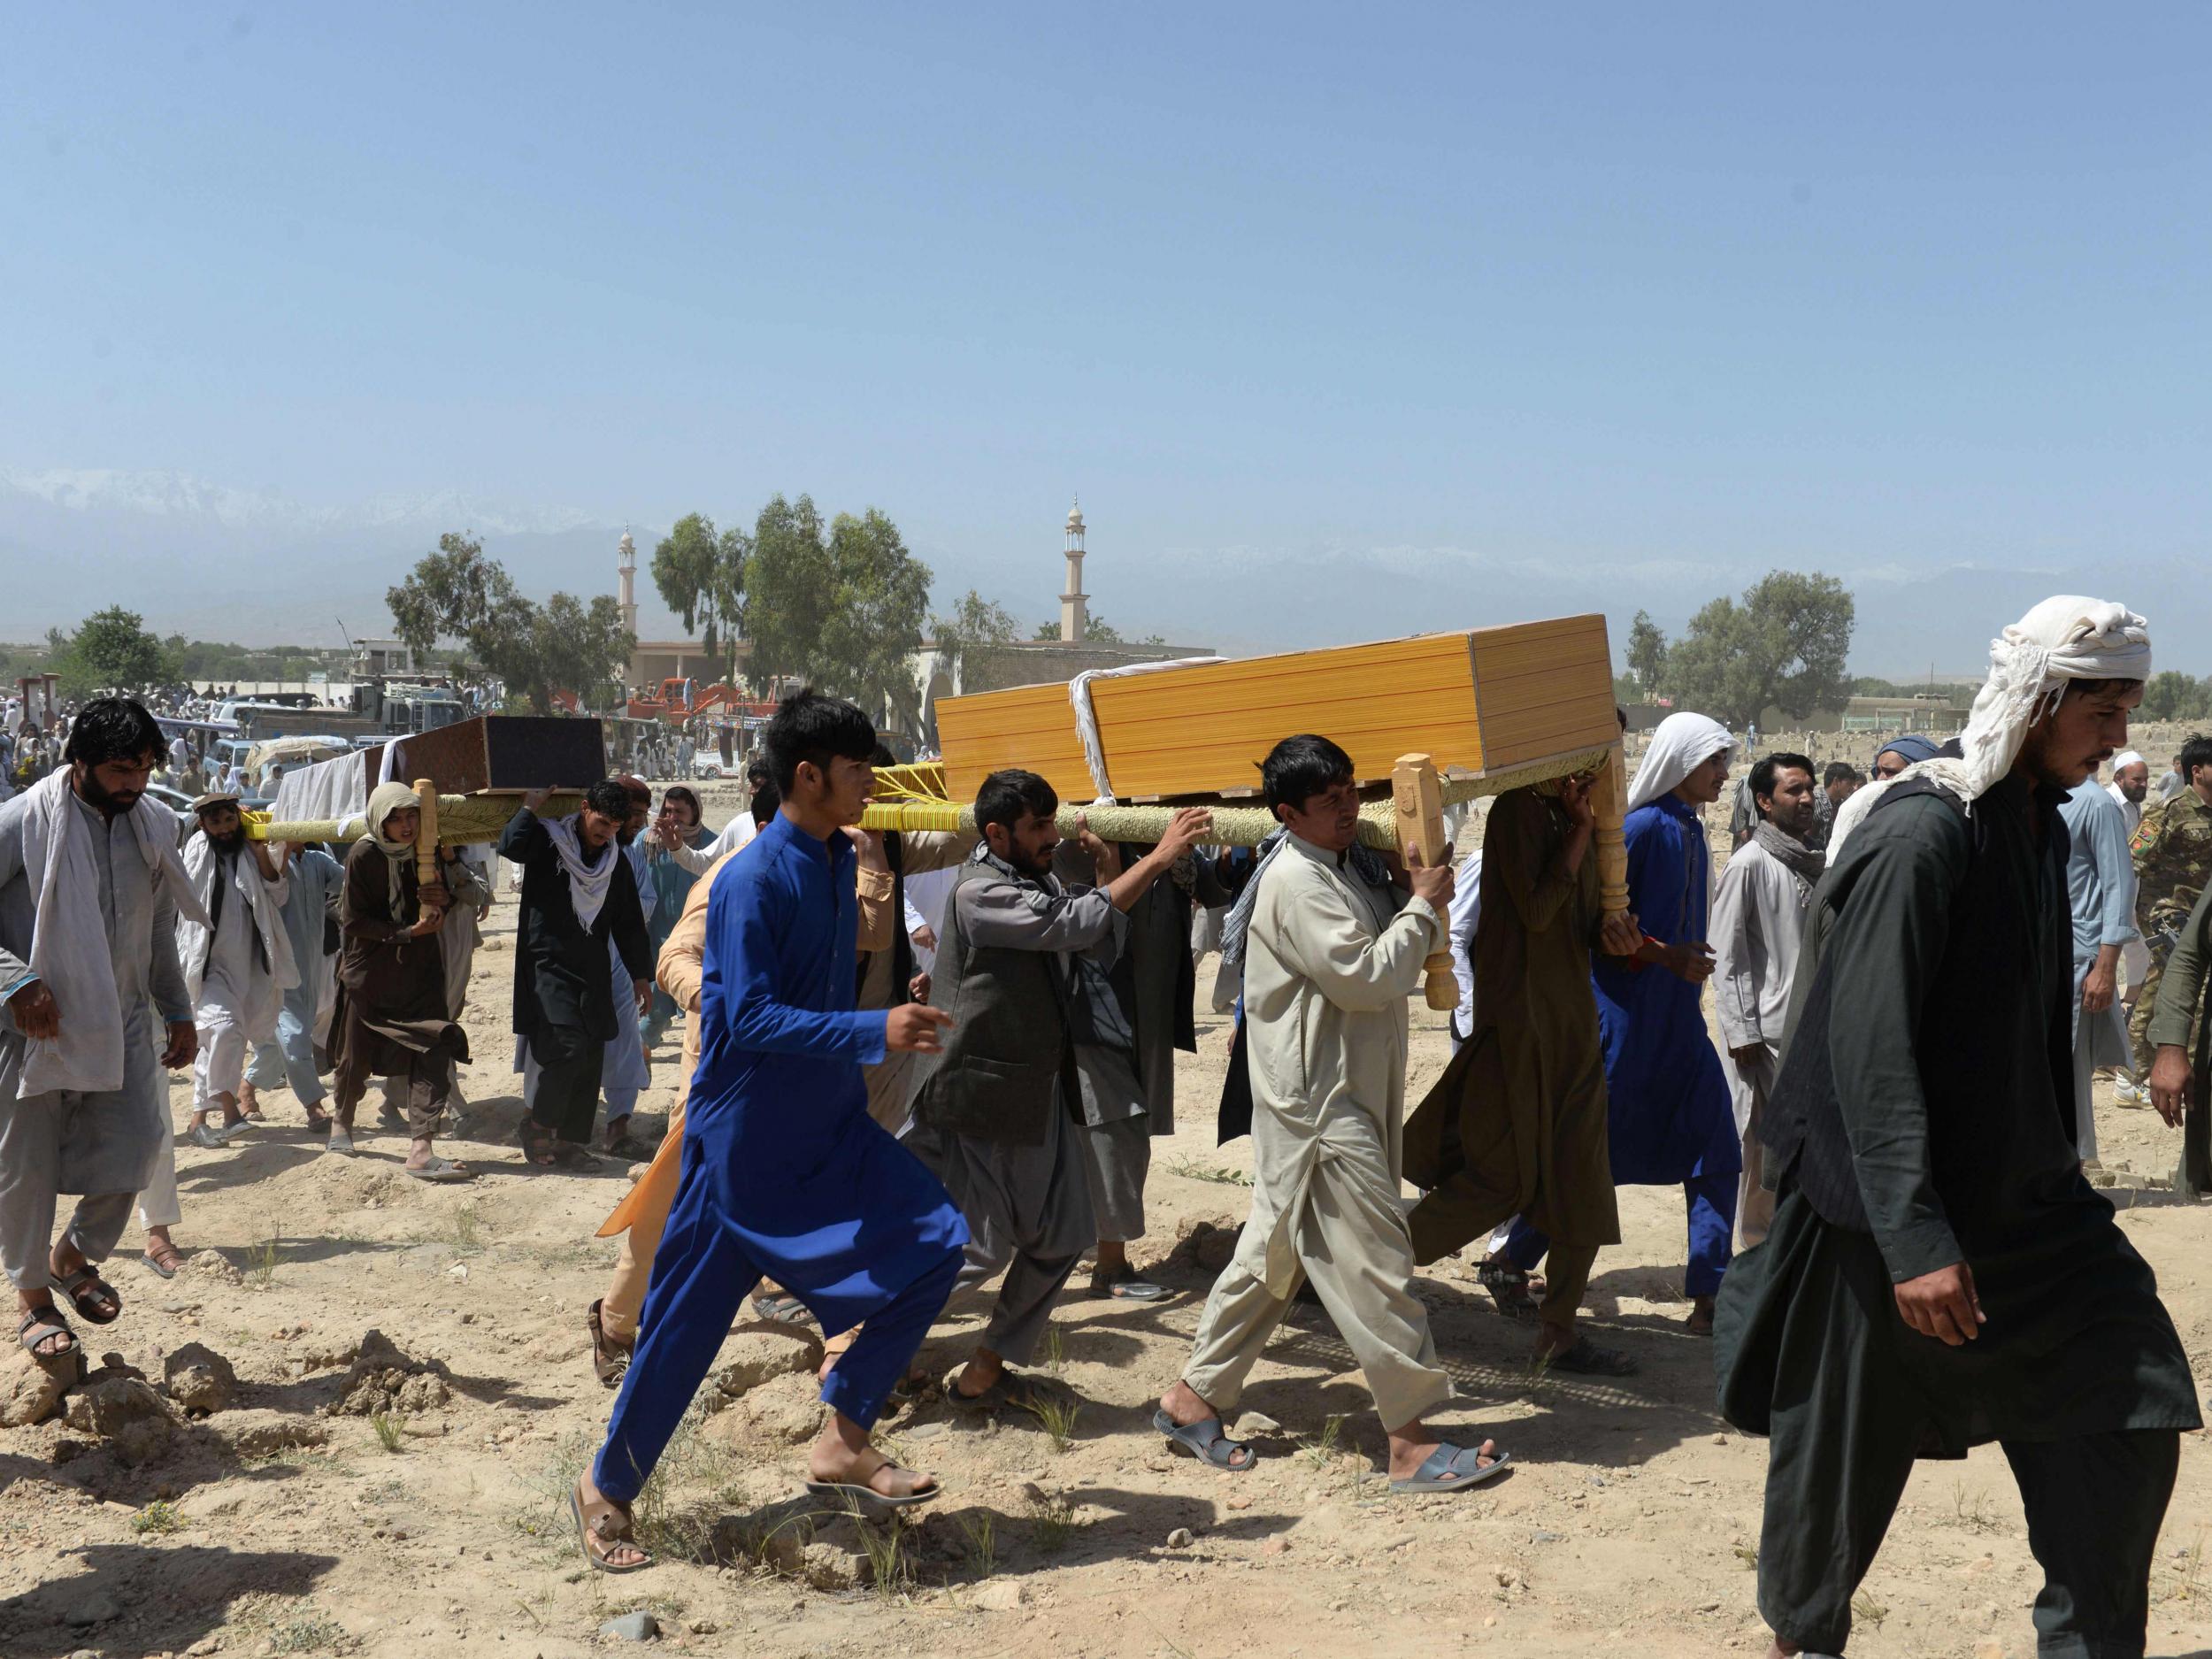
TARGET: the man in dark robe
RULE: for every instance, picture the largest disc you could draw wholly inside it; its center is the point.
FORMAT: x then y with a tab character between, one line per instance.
1940	1274
579	890
1516	1124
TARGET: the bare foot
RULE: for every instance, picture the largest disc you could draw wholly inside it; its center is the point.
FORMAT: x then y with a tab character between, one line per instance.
1700	1320
980	1373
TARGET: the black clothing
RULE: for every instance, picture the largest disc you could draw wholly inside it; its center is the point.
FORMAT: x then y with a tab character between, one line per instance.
563	979
1923	1116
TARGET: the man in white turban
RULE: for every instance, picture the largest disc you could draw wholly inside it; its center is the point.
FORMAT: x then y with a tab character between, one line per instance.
1940	1274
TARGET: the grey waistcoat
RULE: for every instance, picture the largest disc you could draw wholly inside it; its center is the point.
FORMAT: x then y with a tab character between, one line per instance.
1008	1048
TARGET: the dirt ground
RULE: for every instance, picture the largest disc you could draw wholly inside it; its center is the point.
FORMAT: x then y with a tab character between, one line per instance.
285	1522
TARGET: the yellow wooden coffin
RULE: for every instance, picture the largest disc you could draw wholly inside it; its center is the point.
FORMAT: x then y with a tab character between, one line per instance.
1481	701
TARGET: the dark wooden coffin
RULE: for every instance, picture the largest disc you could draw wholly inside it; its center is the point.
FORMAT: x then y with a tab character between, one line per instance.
507	752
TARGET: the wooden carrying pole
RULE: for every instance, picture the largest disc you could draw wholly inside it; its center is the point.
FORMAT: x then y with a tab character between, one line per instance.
426	832
1607	798
1417	795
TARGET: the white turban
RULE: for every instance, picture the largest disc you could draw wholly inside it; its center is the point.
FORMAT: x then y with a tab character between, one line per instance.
2064	638
1679	746
2131	757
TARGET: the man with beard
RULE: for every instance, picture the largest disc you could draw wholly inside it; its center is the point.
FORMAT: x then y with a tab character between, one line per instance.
1940	1273
392	1018
579	898
1758	923
997	1114
91	889
237	969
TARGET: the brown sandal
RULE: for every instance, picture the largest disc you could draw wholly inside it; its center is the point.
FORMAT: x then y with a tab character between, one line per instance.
606	1529
537	1142
609	1358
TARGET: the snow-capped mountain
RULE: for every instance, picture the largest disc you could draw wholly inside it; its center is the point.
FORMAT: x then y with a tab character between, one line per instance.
215	561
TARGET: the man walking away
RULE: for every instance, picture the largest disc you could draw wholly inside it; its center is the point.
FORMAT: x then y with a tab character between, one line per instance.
1758	923
1940	1273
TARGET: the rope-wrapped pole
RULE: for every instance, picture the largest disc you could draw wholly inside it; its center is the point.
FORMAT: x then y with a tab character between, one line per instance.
425	832
461	820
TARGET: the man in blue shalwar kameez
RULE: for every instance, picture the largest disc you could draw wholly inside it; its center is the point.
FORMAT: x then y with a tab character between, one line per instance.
785	1175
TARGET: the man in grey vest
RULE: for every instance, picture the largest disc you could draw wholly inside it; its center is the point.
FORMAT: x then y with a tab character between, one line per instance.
993	1112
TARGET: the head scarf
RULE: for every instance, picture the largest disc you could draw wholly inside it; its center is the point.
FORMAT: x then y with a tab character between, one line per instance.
387	799
1913	747
2061	641
1680	745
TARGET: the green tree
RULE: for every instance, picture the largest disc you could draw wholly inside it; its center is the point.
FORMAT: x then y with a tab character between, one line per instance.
1647	652
969	640
2174	696
567	645
788	582
840	606
702	576
1784	646
111	650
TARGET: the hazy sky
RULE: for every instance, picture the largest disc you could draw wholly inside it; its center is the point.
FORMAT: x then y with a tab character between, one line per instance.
1653	288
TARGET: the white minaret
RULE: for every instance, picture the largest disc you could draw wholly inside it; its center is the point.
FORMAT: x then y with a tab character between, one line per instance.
626	561
1073	610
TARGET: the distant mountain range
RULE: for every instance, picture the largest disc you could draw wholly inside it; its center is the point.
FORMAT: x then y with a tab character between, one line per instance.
254	566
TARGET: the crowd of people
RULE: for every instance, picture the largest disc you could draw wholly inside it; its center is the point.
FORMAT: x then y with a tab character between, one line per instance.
922	1063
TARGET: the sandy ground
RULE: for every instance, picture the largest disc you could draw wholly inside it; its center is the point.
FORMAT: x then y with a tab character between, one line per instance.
272	1526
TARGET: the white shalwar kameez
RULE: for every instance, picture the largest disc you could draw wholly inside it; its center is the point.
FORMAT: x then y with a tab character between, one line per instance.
1329	964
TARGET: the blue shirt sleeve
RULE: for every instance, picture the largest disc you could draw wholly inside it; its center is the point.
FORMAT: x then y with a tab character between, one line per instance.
752	923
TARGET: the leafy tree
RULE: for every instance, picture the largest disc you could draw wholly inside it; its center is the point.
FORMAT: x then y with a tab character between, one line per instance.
568	644
702	576
1784	646
111	650
969	637
2174	696
1647	652
840	606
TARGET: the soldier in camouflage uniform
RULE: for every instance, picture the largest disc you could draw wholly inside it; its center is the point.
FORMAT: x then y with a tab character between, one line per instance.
2173	863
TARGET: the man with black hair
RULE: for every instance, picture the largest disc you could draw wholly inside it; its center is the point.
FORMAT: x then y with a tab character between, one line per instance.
784	1174
997	1114
1332	948
1758	921
91	889
1839	780
577	895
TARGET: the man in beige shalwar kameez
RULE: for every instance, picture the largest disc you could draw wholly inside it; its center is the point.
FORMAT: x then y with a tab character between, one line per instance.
1331	957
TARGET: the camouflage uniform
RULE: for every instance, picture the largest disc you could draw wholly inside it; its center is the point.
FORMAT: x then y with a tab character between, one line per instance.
2173	862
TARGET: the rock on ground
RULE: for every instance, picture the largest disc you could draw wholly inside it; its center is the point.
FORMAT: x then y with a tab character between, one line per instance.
384	1378
265	1433
212	1267
127	1413
200	1380
751	1357
31	1389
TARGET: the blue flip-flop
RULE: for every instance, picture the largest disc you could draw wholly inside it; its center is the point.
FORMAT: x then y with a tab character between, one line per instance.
1206	1440
1442	1471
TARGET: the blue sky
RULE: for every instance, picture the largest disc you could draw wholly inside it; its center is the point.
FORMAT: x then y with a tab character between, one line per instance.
1465	309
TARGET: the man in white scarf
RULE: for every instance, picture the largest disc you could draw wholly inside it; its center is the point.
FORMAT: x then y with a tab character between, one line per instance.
578	893
237	966
1940	1273
89	890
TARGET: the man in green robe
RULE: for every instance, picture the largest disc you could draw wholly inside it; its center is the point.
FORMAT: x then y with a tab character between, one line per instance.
1940	1274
